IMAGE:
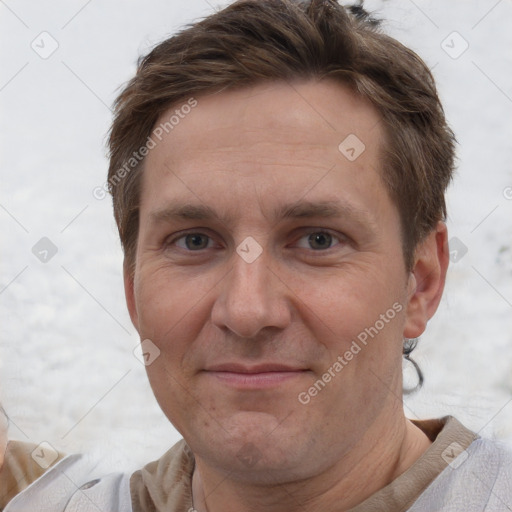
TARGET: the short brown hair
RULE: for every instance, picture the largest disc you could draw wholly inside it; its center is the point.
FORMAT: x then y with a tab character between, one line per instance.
253	41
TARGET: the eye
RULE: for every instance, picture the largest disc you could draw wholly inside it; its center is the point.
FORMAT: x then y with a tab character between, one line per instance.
318	240
192	241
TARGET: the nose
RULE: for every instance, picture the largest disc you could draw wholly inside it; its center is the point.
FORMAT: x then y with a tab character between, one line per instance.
252	297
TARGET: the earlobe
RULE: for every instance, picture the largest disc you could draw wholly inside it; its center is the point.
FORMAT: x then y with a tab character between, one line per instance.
426	283
129	292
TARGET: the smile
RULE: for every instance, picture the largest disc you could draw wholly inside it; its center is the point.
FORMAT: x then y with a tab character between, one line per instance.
257	377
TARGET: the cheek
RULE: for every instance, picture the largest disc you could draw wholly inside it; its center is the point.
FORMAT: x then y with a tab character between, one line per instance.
168	306
358	315
347	301
171	315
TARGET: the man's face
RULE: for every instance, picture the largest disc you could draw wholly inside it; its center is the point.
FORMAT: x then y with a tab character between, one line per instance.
265	256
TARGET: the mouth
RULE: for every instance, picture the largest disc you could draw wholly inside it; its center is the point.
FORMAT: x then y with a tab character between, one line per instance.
255	377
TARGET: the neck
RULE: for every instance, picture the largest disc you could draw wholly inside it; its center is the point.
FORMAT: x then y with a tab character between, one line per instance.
371	465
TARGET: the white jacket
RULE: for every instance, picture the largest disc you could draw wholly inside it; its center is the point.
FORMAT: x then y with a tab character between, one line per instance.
74	485
477	480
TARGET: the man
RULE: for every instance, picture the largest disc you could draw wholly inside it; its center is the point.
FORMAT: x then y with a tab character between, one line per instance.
278	174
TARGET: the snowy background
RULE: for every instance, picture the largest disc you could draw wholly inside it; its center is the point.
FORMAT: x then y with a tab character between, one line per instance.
68	375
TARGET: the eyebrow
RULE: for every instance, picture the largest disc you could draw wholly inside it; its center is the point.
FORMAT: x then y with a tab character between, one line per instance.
299	210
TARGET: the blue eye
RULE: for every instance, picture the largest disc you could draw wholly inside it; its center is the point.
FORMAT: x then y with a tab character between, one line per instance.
193	241
314	240
318	240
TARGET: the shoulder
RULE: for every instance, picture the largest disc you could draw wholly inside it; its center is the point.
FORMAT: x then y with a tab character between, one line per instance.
478	478
67	483
22	464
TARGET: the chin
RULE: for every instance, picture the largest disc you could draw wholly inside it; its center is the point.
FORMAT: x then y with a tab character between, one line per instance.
257	447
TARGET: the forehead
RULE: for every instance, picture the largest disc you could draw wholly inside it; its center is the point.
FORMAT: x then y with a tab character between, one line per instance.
326	111
285	137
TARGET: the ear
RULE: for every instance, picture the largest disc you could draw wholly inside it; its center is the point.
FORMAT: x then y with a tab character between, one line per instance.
129	292
427	279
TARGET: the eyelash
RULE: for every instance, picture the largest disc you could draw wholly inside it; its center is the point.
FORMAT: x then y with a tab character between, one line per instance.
340	238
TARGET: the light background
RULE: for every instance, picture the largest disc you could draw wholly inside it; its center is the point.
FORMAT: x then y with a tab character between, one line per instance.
68	375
